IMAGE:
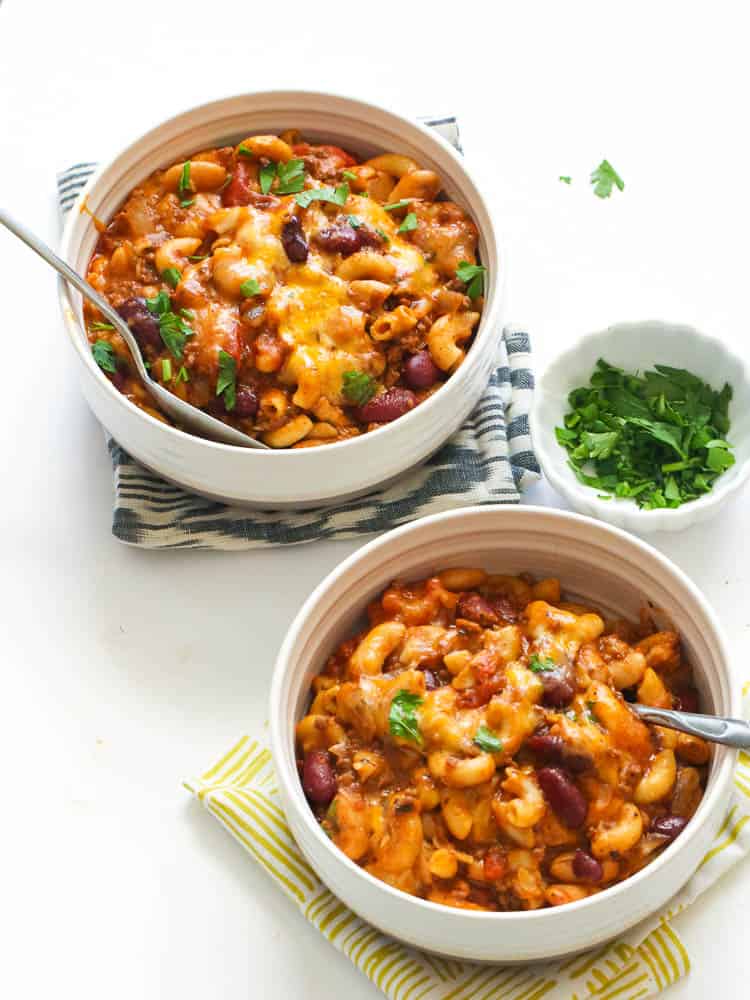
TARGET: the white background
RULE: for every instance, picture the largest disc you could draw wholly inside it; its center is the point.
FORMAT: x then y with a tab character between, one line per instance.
125	671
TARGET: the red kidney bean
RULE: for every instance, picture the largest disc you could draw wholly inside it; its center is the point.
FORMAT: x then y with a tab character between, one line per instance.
318	779
554	749
686	700
341	238
387	406
586	867
369	238
420	371
246	404
668	826
558	687
238	190
431	680
294	242
118	380
476	608
142	322
562	794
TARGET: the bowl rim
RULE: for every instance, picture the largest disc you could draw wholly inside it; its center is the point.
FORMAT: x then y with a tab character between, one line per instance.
485	331
565	482
292	791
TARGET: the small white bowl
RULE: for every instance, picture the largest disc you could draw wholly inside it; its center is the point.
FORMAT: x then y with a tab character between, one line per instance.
637	347
307	477
595	563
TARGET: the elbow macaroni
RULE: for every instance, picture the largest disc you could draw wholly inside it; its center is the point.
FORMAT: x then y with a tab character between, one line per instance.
440	718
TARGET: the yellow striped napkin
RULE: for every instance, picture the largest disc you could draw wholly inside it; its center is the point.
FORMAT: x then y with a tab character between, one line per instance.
240	791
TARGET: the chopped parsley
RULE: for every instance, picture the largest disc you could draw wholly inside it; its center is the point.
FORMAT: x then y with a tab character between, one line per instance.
658	438
186	202
541	664
409	223
172	277
488	741
182	375
166	370
249	288
397	204
243	150
337	195
291	177
266	176
104	355
354	221
184	183
358	387
199	256
604	178
472	276
226	383
96	325
565	179
402	717
173	328
349	175
382	234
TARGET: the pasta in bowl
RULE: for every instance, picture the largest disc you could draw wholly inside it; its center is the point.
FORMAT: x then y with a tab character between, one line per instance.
293	290
474	745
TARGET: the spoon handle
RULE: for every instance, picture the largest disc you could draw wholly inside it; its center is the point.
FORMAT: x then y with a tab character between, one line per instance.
38	246
715	729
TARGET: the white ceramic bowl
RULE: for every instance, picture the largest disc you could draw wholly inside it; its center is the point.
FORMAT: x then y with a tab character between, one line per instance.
636	347
594	562
294	478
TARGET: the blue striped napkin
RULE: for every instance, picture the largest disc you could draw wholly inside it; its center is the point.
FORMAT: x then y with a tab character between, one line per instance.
488	460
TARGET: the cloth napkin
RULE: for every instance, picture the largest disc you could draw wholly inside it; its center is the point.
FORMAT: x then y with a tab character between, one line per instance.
240	791
488	460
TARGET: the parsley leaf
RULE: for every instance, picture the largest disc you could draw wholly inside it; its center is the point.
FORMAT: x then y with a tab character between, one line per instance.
226	383
354	221
172	277
657	438
249	288
402	718
472	276
397	204
382	234
565	179
243	150
104	355
161	304
166	370
358	387
184	183
187	202
96	325
541	664
409	223
173	328
291	177
182	375
349	175
266	176
337	195
486	740
604	178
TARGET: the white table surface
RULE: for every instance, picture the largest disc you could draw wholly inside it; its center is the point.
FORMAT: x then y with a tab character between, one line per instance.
125	671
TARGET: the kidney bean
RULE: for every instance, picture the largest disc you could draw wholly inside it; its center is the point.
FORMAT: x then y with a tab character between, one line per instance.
420	371
431	680
144	325
669	826
476	608
686	700
387	406
118	380
554	749
318	779
369	238
562	794
341	238
558	687
586	867
294	242
246	404
238	190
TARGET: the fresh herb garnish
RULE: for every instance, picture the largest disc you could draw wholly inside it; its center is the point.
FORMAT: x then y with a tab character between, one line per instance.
243	150
187	202
604	178
337	195
402	717
199	256
104	355
172	277
409	223
291	177
249	288
349	175
173	329
354	221
472	276
166	370
184	182
187	313
541	664
182	375
266	176
358	387
565	179
382	234
397	204
486	740
658	438
226	383
96	325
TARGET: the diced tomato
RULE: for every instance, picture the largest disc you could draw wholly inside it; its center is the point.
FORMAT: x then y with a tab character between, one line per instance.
238	191
495	864
325	153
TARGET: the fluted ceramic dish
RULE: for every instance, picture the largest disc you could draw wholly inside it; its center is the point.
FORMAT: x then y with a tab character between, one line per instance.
294	478
596	564
636	347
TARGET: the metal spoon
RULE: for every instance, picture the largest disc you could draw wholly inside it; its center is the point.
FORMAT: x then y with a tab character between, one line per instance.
190	417
715	728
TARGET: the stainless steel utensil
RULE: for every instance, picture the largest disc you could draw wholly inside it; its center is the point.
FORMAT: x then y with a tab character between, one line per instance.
715	728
